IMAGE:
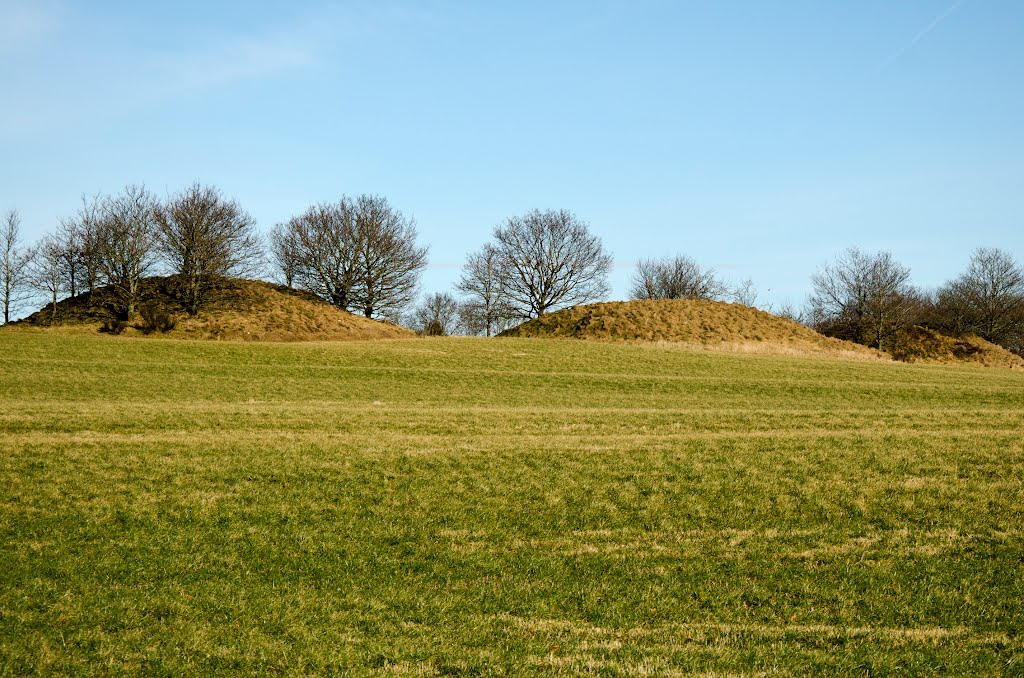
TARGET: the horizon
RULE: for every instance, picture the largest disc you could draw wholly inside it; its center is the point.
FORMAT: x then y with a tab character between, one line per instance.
764	140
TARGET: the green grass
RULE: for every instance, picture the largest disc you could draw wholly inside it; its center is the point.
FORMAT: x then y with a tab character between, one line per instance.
502	506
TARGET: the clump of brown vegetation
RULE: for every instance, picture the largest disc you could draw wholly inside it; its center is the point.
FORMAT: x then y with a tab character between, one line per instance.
235	309
688	321
922	345
156	318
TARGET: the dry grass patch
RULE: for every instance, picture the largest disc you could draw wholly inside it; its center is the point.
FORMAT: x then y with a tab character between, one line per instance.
923	345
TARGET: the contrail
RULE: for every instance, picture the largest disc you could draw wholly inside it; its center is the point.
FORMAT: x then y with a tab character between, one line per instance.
923	32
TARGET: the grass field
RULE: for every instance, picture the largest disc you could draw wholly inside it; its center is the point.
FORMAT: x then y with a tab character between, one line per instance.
504	506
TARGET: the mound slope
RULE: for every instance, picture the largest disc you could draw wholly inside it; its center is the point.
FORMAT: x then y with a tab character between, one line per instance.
920	344
686	321
237	309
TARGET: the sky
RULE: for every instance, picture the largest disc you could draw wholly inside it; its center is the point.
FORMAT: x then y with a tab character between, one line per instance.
760	138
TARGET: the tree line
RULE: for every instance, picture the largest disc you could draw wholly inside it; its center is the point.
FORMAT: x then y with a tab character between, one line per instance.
535	264
362	255
359	254
113	242
868	298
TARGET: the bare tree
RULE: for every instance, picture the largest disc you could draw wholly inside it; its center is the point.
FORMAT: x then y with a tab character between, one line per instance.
486	310
68	240
986	300
126	236
472	320
326	247
14	260
390	262
550	260
744	293
79	239
437	315
678	277
476	319
47	271
284	252
791	312
361	255
202	236
862	297
87	234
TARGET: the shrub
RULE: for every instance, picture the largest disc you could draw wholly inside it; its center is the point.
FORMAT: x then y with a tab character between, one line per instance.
113	326
155	319
433	329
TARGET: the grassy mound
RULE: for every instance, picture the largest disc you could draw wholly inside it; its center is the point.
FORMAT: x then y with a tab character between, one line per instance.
684	321
923	345
236	309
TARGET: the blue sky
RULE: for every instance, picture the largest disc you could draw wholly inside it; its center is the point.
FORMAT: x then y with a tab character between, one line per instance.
760	138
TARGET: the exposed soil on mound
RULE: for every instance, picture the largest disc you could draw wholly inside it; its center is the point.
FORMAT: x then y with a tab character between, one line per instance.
236	309
685	321
922	345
